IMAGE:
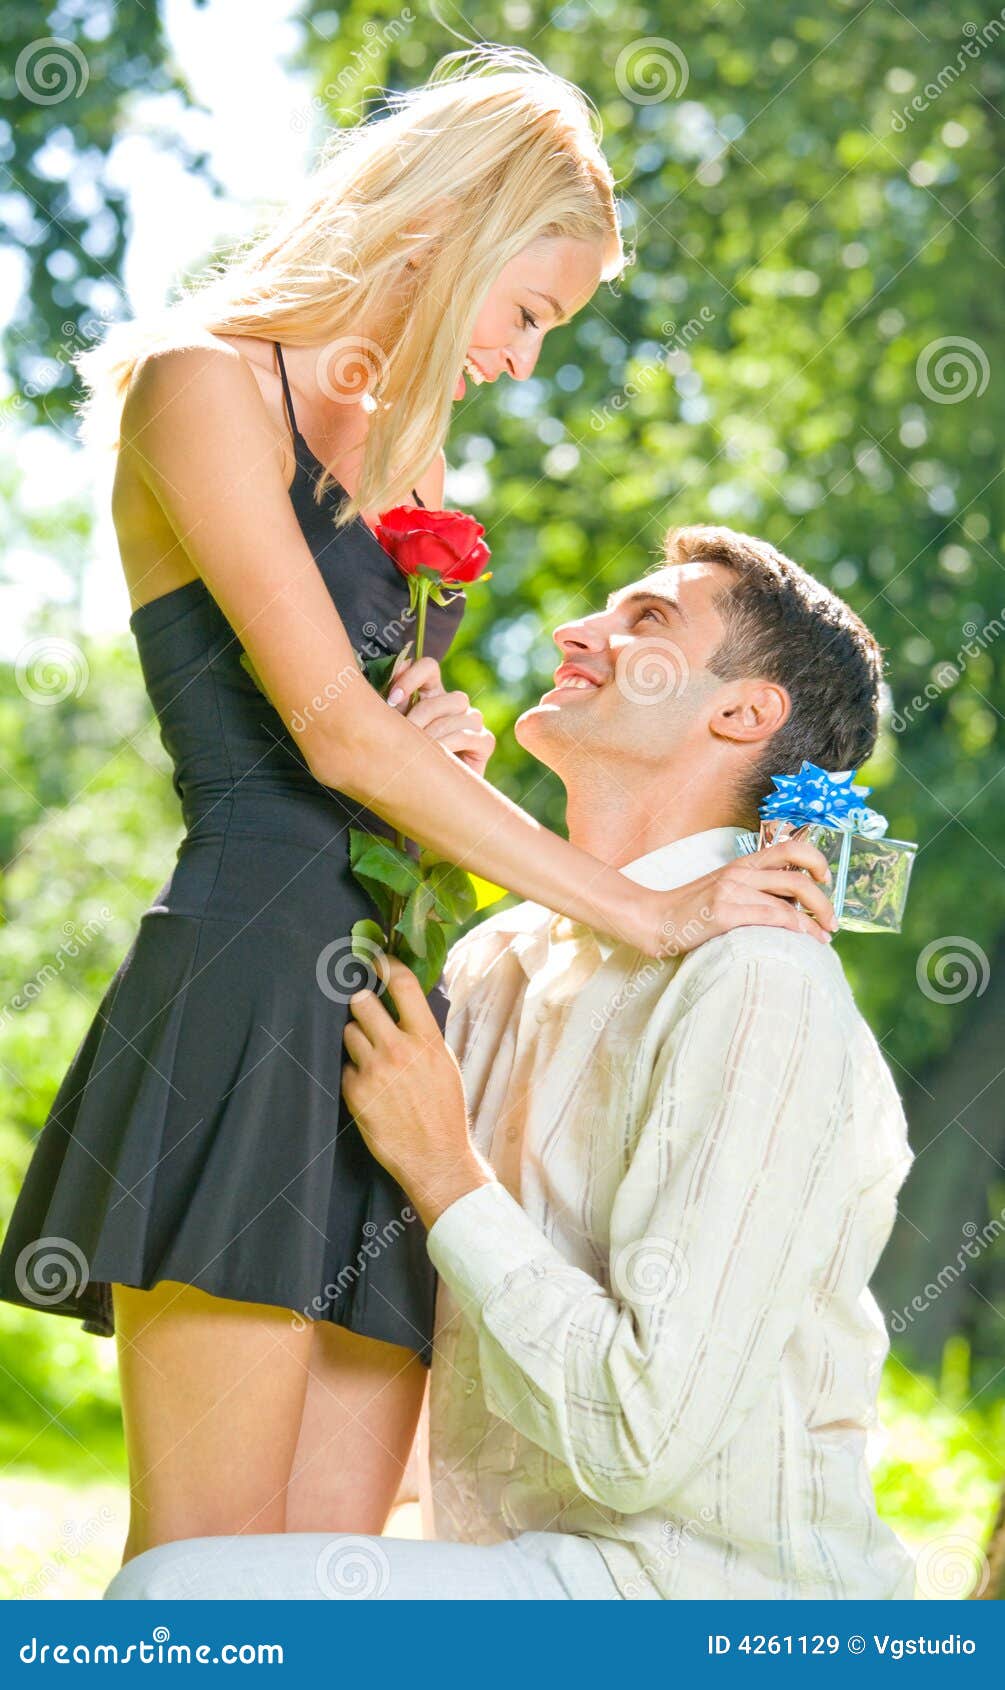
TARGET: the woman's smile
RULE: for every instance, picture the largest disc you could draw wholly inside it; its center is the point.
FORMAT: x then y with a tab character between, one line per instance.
477	374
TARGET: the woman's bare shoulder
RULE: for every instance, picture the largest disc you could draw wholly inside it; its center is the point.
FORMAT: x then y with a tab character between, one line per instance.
198	384
168	369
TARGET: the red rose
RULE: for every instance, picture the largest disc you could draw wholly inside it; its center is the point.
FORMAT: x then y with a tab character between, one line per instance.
448	543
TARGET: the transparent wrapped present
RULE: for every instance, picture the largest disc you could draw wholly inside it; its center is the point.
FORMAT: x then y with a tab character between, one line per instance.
870	872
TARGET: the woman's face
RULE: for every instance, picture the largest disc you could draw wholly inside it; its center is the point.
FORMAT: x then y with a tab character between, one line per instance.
545	284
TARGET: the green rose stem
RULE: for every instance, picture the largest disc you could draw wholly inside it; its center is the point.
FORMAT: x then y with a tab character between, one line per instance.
418	900
418	586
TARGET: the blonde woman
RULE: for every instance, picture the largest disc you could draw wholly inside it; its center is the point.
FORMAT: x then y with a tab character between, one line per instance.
266	1280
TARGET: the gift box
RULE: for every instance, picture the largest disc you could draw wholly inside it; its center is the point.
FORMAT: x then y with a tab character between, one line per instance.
870	872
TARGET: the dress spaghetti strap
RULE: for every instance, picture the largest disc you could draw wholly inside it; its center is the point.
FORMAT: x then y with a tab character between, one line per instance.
294	430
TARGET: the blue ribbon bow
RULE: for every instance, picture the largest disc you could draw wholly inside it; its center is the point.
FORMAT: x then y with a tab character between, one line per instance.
816	795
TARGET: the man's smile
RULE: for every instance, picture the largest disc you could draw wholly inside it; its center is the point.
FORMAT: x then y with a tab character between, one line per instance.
574	677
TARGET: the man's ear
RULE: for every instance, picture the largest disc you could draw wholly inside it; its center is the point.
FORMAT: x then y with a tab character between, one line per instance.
750	711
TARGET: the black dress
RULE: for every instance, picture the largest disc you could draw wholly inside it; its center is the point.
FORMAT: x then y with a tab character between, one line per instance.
199	1134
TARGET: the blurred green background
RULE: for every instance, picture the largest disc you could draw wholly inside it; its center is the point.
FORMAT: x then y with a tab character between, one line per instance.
804	347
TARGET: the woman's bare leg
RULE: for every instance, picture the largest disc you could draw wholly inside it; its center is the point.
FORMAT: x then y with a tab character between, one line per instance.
359	1420
212	1399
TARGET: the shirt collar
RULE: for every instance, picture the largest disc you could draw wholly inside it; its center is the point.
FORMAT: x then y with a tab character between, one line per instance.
668	866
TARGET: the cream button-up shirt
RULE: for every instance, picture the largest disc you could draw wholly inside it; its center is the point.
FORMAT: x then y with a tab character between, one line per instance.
655	1328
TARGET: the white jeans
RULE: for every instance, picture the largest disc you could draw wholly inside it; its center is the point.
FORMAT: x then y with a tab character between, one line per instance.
299	1566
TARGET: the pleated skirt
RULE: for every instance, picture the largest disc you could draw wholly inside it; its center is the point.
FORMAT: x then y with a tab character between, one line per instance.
199	1134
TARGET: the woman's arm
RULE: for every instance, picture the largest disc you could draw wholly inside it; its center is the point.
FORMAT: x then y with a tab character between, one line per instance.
198	432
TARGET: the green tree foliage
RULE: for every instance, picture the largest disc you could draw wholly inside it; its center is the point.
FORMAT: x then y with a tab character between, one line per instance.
70	74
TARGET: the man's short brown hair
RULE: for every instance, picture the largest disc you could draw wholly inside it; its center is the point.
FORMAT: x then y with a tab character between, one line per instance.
786	627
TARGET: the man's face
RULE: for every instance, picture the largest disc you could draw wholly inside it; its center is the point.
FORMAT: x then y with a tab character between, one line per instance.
633	681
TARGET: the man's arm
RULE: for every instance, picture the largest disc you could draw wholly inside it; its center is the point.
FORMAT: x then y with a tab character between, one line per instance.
731	1201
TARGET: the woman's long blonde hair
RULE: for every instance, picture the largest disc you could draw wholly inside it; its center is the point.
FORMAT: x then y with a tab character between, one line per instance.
493	152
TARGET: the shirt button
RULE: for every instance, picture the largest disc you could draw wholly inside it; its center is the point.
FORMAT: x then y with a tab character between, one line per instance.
469	1386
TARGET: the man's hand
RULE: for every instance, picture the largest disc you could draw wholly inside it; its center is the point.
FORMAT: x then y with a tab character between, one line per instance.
448	717
404	1089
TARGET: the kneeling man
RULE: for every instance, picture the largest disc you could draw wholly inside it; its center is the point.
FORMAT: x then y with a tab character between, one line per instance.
657	1198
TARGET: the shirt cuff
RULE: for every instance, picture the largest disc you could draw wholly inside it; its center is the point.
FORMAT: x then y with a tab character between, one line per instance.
481	1239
